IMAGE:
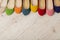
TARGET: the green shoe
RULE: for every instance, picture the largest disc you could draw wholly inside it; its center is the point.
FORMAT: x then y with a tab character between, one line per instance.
10	7
9	11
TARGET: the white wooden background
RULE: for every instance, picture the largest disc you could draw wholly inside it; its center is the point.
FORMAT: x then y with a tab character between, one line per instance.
31	27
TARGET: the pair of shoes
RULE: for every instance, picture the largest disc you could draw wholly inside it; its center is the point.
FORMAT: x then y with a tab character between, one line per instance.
11	8
45	6
27	7
51	6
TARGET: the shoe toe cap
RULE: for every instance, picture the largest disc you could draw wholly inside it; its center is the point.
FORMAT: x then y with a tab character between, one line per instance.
50	12
9	11
57	9
18	10
34	8
26	11
41	12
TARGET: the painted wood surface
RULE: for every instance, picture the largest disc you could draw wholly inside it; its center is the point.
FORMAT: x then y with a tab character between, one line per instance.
30	27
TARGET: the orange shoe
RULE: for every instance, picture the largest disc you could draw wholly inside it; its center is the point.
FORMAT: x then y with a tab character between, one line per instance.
18	6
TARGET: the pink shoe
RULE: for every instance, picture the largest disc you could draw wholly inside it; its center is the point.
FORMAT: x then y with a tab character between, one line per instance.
50	12
49	7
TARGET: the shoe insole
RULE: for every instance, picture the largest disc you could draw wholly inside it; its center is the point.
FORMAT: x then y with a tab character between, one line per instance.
26	4
11	4
34	2
49	4
18	3
57	2
42	4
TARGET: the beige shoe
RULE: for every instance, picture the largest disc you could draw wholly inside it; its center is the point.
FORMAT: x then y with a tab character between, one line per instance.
3	5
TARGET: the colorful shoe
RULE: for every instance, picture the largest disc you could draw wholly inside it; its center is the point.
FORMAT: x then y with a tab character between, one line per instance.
42	7
49	9
10	7
26	7
18	6
57	6
34	5
3	5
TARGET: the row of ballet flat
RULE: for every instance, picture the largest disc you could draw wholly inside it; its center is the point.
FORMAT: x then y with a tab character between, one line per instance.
26	6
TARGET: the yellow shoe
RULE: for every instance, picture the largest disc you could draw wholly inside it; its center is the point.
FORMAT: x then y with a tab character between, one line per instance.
34	5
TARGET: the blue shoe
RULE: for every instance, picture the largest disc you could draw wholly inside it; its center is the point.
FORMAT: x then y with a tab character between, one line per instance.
57	9
26	11
26	7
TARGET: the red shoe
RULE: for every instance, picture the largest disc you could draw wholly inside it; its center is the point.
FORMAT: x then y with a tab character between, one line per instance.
41	10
